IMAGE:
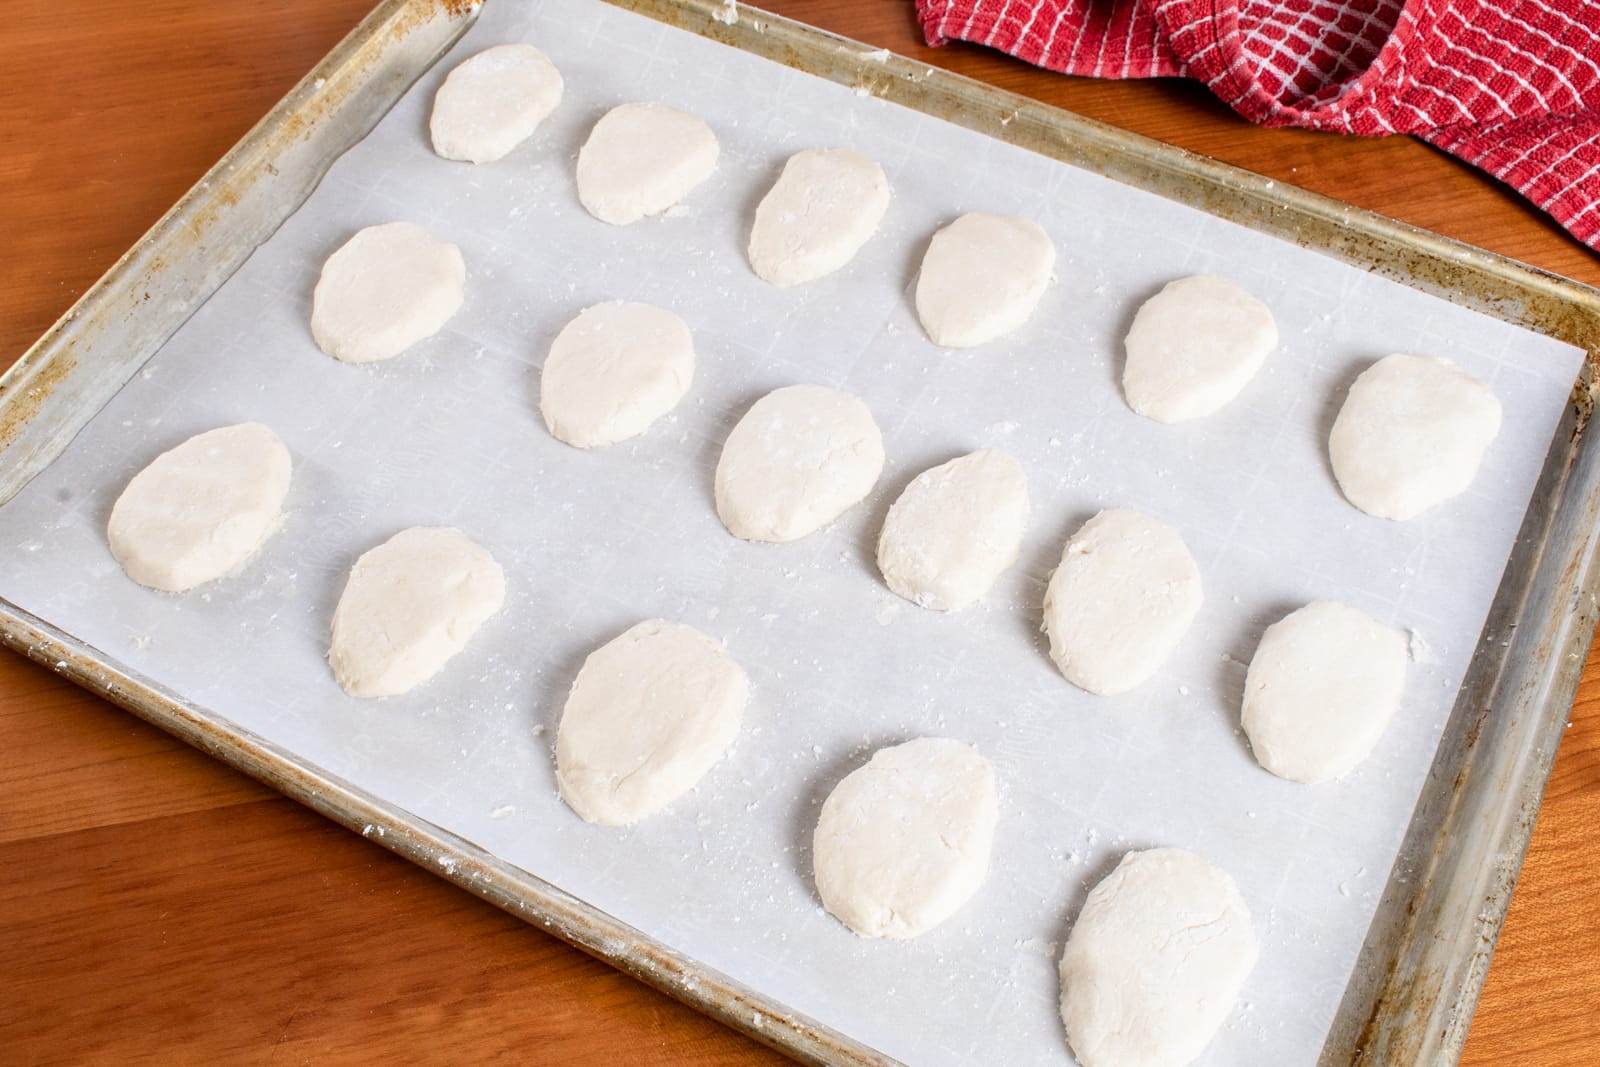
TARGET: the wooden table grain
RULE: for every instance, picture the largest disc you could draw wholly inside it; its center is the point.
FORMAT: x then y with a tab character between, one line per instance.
155	905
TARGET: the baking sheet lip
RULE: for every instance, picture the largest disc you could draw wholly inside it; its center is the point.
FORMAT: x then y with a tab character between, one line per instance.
1551	689
438	851
1417	996
192	200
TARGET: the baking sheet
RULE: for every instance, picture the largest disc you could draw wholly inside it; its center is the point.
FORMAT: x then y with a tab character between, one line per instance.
593	542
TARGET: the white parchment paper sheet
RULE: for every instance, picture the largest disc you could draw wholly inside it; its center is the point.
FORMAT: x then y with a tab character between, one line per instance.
593	542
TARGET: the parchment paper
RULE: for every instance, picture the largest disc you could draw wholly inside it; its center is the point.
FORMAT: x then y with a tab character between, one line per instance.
593	542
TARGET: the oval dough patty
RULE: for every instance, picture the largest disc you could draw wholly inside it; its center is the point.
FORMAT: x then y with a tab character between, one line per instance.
1193	347
384	290
1411	435
641	159
648	715
818	214
410	605
982	277
200	510
493	102
1155	961
953	531
613	371
904	841
1321	689
800	456
1125	592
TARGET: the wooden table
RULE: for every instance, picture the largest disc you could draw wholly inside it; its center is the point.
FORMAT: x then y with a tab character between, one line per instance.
155	904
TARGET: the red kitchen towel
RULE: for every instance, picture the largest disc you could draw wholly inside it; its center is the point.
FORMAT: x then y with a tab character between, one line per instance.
1509	86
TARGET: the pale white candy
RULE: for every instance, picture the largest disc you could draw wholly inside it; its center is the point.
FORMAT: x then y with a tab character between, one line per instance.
1321	689
410	605
822	209
493	102
641	159
201	509
1411	434
1155	961
1193	347
982	277
648	716
384	290
1121	600
954	530
613	371
800	456
903	842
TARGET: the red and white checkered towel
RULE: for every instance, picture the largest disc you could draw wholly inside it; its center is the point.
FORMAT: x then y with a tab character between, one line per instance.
1510	86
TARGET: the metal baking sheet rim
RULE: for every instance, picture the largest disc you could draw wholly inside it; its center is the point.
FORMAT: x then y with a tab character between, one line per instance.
1422	967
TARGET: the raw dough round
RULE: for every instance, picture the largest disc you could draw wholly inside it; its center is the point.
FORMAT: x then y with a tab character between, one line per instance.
904	841
1193	347
614	370
648	715
202	509
1125	592
982	277
384	290
411	604
1411	434
800	456
819	213
641	159
1155	961
953	531
1321	689
493	102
